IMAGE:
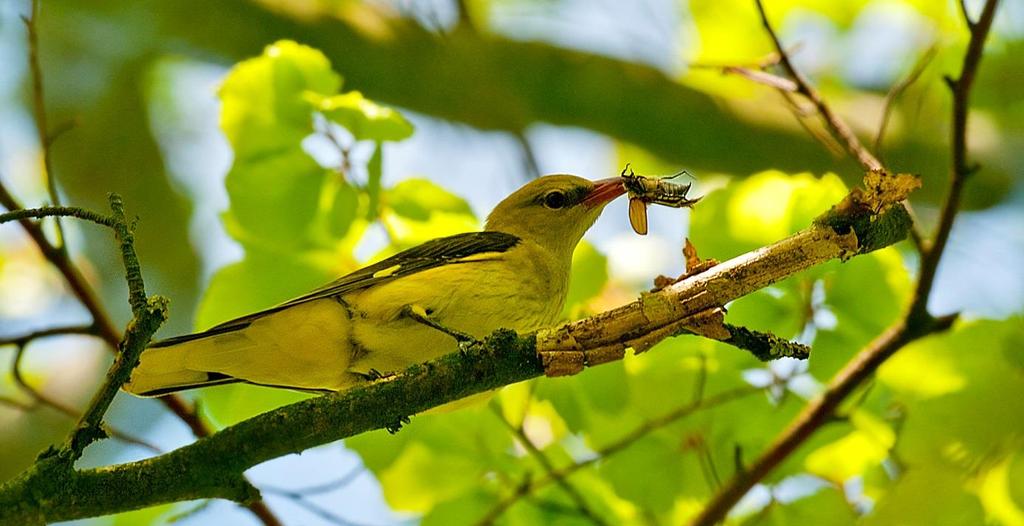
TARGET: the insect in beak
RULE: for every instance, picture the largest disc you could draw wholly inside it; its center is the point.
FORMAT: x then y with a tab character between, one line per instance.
638	215
645	190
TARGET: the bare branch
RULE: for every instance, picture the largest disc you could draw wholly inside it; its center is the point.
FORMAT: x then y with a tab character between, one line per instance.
24	339
897	91
917	323
520	435
529	486
530	164
960	169
60	259
149	315
41	399
839	128
39	111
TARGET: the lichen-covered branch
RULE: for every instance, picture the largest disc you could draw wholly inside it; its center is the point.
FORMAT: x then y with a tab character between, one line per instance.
212	467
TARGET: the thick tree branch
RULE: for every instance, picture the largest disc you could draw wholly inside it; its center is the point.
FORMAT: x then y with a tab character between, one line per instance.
916	324
212	467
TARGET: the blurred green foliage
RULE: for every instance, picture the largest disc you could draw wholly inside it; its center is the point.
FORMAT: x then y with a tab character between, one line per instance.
936	438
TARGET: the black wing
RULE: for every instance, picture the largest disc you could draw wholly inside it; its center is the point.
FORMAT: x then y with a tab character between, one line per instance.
433	253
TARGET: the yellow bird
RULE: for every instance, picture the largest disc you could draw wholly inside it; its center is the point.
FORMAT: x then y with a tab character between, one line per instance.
409	308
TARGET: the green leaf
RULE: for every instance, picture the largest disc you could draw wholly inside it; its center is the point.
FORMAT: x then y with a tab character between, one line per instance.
436	457
826	506
651	474
759	210
863	448
343	210
421	477
365	119
263	102
419	199
374	172
587	280
417	210
465	509
276	199
927	496
1015	477
963	416
274	186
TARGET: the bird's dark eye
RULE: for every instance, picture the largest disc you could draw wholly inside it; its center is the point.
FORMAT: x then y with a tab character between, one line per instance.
554	200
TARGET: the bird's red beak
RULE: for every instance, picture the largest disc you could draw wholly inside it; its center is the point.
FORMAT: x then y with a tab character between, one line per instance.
604	191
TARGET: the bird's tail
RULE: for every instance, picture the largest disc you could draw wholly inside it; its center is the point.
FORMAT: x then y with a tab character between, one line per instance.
164	367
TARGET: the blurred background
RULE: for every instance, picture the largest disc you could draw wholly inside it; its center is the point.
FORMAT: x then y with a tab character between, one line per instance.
498	92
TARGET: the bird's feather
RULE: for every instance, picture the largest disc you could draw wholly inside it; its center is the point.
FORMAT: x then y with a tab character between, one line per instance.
434	253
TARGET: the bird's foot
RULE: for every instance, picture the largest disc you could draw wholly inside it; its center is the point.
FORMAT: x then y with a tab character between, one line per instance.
396	426
373	375
421	315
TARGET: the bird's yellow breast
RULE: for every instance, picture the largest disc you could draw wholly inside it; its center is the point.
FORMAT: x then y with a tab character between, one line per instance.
475	297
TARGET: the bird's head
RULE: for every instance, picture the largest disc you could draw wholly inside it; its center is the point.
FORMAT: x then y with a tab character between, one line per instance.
555	210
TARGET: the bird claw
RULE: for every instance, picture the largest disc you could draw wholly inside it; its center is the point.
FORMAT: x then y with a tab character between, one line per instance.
373	375
396	426
417	313
465	344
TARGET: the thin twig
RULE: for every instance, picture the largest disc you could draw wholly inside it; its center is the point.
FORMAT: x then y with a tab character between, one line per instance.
897	91
816	132
762	77
105	325
325	514
334	485
519	432
56	211
39	111
838	129
23	339
465	19
530	163
842	132
916	324
627	440
41	399
148	315
890	102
